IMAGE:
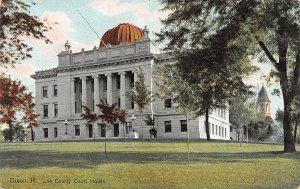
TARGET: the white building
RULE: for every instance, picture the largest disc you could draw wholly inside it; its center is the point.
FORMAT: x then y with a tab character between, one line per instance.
107	73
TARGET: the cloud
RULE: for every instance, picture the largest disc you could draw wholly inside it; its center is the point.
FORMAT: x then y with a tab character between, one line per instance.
20	69
61	29
141	11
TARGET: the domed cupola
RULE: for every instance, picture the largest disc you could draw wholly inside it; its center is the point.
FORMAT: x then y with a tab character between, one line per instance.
123	33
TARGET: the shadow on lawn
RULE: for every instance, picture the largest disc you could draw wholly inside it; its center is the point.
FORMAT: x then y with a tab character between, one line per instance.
31	159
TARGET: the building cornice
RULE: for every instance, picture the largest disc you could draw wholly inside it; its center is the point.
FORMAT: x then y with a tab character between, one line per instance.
53	72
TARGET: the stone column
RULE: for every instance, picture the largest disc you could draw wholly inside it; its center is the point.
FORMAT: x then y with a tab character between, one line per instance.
109	88
72	96
96	92
122	90
84	91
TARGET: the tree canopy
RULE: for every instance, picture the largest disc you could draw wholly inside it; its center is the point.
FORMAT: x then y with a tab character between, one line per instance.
16	23
14	97
222	37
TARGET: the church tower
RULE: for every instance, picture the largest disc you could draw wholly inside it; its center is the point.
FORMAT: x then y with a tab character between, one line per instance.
263	103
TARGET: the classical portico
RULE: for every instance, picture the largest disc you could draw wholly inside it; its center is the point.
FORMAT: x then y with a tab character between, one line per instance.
89	90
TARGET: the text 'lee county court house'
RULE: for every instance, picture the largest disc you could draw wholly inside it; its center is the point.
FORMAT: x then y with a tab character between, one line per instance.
106	73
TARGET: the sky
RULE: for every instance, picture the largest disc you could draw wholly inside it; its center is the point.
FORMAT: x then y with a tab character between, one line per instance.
68	24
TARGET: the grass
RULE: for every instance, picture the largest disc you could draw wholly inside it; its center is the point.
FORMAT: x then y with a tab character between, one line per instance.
148	165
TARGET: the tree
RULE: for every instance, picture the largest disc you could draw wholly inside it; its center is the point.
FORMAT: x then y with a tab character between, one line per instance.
261	128
241	114
13	98
224	33
89	116
109	114
203	63
140	95
16	23
183	95
30	116
122	119
17	132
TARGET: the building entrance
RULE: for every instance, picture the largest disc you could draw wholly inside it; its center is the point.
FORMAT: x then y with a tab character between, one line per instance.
90	127
116	130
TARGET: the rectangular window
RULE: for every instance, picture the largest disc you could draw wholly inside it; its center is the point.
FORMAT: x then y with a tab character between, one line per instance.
45	132
168	103
93	106
118	81
216	129
45	107
183	125
132	80
132	104
93	86
55	90
119	102
231	129
77	130
213	129
55	132
55	110
168	127
222	131
45	92
225	133
128	127
219	130
105	84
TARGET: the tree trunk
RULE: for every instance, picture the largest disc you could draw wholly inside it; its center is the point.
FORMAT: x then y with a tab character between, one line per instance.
141	113
124	129
10	137
105	142
32	137
289	143
295	131
206	124
94	131
188	139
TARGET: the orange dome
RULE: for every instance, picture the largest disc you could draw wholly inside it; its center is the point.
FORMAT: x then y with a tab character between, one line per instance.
123	33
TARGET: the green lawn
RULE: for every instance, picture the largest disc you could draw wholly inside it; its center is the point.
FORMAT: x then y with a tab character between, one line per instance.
149	165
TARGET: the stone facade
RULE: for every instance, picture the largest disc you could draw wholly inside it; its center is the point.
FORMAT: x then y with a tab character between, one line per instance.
107	74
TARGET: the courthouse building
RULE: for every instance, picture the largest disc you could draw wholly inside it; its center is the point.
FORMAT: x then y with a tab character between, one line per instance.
106	73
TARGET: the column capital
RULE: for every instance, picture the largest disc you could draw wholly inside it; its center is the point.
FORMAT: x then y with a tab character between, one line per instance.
83	77
95	76
108	74
122	73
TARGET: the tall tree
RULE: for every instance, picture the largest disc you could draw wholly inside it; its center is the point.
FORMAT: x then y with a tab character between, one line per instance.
13	99
16	23
223	33
171	84
140	95
203	63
